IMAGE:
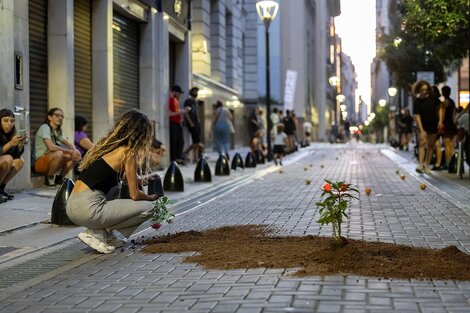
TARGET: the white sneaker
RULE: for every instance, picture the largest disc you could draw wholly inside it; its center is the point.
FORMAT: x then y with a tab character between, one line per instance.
113	240
95	238
427	170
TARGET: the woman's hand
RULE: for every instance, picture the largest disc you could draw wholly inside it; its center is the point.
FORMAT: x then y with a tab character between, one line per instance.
16	140
152	197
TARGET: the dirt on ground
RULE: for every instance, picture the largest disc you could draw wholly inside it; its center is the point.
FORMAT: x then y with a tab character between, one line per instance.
250	246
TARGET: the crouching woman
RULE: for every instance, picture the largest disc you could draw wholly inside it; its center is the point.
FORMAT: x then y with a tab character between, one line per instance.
121	152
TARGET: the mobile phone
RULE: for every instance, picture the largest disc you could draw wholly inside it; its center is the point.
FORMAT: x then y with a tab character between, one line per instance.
22	132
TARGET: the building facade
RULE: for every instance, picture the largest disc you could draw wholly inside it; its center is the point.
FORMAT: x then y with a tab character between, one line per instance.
93	58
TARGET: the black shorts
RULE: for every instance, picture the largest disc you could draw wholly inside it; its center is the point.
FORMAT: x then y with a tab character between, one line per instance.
195	134
278	149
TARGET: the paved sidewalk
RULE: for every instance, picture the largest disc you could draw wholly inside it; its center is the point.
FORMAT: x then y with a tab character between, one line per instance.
397	211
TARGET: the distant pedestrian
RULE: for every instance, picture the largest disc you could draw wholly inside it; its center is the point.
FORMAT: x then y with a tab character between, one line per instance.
425	112
222	129
193	123
406	125
122	152
307	126
289	129
176	128
11	149
253	129
280	142
450	129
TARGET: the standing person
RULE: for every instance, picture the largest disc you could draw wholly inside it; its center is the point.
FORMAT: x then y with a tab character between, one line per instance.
253	130
194	126
176	128
289	129
221	120
81	140
53	151
11	149
122	152
406	124
425	113
437	146
449	129
280	141
307	126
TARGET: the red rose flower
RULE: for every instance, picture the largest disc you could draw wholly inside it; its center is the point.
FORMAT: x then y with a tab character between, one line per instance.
327	187
156	226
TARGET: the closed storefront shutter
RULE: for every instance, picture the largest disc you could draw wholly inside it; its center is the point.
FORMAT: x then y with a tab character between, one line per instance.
126	64
37	62
82	61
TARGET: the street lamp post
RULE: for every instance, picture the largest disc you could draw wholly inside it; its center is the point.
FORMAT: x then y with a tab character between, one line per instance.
267	11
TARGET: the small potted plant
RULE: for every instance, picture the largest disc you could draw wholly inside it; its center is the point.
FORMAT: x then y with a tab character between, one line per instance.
161	213
333	207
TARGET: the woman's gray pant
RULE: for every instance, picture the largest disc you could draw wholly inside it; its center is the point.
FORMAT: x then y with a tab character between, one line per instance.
90	209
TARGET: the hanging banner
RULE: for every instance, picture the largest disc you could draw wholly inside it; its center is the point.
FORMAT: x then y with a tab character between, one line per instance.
289	90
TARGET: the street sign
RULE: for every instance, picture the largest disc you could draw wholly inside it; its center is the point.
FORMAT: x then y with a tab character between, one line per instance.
424	75
289	90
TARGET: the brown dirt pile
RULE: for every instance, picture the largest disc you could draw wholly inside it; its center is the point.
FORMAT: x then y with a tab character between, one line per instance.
252	247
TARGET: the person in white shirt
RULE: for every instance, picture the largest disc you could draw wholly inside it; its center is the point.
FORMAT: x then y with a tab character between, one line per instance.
307	126
280	142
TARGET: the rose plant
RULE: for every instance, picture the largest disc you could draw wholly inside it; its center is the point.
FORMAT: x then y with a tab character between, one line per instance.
333	207
161	213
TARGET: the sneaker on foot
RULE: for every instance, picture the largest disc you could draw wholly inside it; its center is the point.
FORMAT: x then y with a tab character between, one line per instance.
420	169
427	170
280	163
95	238
275	162
6	195
49	181
436	168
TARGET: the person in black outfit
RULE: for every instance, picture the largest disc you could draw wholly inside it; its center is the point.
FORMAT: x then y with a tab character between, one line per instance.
406	124
11	149
289	129
449	130
425	113
253	130
191	119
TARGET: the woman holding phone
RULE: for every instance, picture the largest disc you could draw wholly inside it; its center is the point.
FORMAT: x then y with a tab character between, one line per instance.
11	149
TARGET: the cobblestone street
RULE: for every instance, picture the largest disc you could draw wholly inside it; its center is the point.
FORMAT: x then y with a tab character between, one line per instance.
397	211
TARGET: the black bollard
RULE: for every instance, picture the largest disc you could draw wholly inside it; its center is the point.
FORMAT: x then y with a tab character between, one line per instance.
59	213
250	160
202	172
259	157
237	161
173	180
155	187
221	167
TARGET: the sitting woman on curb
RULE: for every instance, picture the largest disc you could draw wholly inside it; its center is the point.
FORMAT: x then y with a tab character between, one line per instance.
11	149
123	151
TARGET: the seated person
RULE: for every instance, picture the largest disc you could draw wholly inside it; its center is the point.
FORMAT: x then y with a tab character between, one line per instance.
81	140
11	149
54	153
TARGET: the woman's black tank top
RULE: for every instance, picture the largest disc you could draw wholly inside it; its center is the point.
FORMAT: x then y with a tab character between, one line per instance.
100	176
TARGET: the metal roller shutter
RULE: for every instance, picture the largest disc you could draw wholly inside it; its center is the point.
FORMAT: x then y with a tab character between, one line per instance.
37	62
82	61
126	64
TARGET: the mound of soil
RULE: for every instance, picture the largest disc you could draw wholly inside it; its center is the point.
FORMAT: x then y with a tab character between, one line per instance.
252	246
